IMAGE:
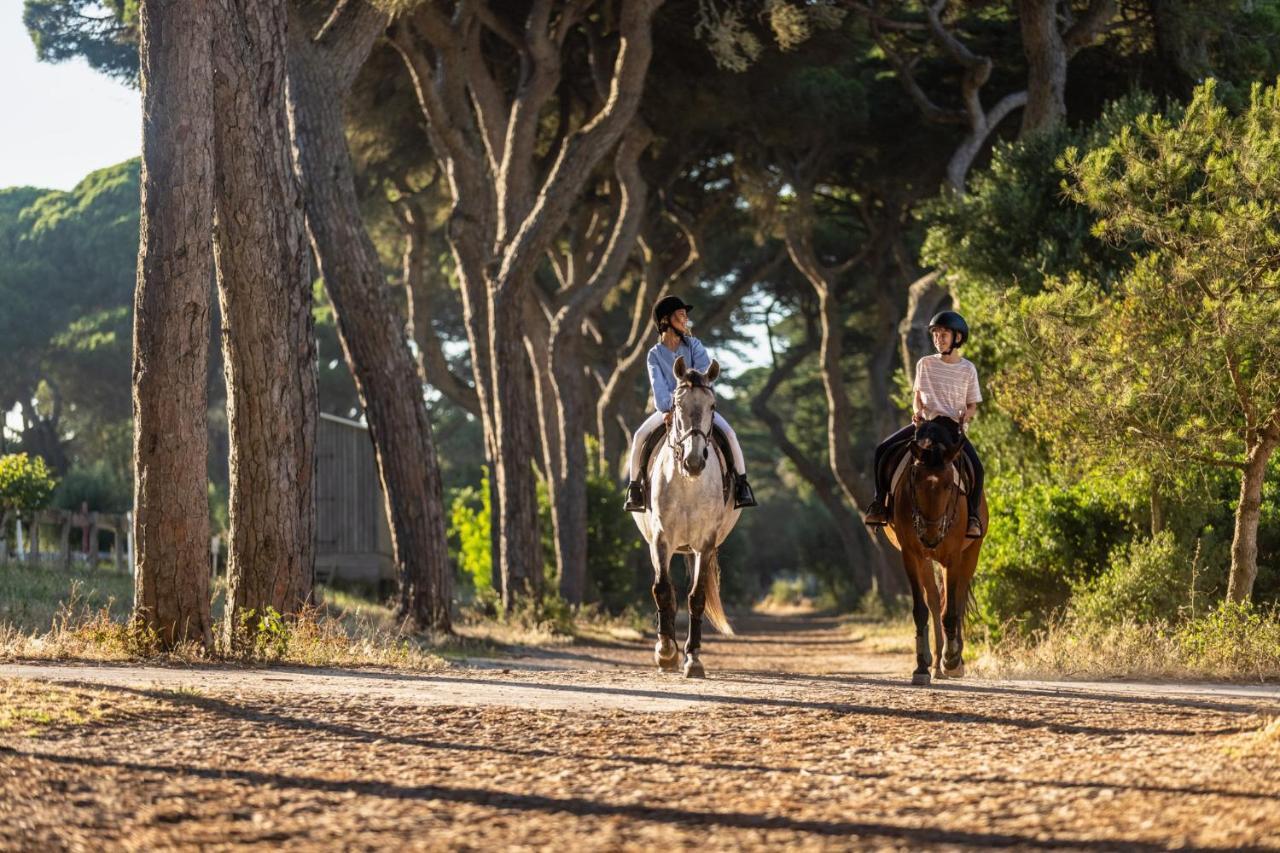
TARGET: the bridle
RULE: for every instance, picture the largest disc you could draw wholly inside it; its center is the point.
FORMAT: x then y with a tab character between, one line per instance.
676	440
920	523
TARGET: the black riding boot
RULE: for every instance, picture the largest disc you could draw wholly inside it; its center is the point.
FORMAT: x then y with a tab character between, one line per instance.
635	497
742	495
877	514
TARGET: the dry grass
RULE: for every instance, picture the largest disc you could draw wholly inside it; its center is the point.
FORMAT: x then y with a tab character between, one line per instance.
345	632
1232	643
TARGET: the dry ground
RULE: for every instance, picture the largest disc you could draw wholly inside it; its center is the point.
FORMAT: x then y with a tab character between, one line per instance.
801	737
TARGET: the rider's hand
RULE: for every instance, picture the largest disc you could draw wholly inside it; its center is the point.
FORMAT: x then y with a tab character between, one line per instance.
666	418
917	418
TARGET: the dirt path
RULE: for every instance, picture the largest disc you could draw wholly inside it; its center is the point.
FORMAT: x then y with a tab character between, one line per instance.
800	737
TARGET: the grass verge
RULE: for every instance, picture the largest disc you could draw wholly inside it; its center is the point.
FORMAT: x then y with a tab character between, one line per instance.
1234	642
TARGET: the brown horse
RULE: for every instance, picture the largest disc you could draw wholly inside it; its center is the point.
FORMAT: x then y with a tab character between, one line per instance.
929	521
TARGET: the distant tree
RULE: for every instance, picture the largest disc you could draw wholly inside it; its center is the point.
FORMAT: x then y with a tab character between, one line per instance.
171	322
25	484
1178	362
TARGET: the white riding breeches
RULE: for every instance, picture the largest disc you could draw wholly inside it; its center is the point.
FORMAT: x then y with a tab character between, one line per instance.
655	420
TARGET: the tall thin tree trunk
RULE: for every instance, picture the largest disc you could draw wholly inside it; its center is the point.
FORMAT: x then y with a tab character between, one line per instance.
171	323
570	504
520	540
268	340
1244	543
372	340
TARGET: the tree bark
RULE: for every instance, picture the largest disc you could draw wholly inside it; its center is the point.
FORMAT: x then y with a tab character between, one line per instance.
320	74
1048	50
171	323
1244	542
268	340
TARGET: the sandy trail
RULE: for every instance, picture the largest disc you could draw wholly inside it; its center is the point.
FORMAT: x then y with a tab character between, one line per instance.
799	737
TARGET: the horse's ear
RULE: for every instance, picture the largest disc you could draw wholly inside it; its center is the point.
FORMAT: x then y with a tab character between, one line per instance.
680	370
713	371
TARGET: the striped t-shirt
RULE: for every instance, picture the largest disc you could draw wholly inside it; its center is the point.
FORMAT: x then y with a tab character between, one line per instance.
946	389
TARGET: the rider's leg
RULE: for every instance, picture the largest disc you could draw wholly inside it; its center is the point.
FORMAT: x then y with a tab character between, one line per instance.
878	512
635	489
975	499
742	495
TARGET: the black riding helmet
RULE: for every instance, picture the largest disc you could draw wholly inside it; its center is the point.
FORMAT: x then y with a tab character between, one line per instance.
665	307
953	321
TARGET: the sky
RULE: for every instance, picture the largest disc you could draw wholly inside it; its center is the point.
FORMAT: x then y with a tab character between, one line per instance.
61	122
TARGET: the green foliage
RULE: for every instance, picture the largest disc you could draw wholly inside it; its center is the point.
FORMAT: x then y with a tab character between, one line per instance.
469	527
613	542
1148	579
25	483
1234	637
1178	357
103	32
1044	542
96	484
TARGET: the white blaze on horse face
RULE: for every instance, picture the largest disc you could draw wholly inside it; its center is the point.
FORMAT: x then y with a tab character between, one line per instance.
694	407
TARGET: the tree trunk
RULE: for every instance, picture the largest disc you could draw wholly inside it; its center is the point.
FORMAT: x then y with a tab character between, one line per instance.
1046	66
268	341
570	504
1244	543
520	539
372	338
433	367
171	323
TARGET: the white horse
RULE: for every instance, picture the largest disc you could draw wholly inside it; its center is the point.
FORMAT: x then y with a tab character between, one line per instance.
689	513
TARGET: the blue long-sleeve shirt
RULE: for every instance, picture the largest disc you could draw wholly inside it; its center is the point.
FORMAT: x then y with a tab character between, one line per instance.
662	362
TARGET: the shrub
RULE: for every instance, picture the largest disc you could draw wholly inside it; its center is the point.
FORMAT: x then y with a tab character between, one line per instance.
1149	579
1045	542
469	528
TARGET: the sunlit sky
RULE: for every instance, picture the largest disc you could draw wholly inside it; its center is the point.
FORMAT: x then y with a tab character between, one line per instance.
60	121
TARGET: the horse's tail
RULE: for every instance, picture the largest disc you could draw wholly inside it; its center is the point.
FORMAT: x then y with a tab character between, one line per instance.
714	610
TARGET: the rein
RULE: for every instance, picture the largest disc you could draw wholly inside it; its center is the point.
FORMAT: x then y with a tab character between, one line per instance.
920	523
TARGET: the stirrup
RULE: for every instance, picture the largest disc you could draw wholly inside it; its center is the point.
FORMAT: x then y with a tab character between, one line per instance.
877	515
742	494
974	522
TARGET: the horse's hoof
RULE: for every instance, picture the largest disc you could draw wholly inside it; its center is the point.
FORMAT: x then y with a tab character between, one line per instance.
920	679
956	671
666	655
693	668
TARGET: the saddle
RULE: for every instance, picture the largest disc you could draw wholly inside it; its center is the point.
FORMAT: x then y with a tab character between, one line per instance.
897	463
654	441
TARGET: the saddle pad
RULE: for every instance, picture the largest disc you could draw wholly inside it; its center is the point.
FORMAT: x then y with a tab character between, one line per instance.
720	443
905	463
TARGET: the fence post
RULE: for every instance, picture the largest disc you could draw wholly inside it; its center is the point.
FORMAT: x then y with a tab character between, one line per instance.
66	540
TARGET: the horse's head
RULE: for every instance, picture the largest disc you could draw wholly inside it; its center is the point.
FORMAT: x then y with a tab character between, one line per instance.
695	405
933	491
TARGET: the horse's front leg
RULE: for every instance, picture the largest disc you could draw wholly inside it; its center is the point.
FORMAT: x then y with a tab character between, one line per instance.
920	615
665	653
934	599
959	578
699	563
